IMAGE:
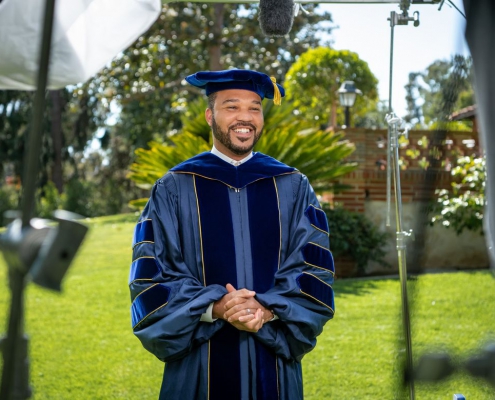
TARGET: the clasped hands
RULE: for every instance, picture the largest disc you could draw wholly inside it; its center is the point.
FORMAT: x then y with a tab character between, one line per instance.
241	309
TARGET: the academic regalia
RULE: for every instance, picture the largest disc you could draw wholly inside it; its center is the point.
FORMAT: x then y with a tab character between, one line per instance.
257	226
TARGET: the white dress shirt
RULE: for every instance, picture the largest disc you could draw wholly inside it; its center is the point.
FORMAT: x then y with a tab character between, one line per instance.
225	158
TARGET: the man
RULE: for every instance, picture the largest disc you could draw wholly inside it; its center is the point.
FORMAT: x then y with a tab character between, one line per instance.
231	274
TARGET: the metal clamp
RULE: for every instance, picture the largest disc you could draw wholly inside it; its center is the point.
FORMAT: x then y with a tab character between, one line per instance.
403	19
402	237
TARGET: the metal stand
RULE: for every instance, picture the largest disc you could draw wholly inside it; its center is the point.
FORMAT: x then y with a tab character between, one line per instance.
401	238
12	347
393	168
33	248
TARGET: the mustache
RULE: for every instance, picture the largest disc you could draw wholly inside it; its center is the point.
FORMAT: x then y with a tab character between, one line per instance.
243	125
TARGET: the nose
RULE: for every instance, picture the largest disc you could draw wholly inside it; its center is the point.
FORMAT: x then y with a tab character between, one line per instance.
244	115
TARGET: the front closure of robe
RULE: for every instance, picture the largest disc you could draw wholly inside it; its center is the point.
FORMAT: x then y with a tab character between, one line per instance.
240	241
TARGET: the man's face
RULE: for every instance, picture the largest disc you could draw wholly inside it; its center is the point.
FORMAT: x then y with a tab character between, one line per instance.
236	122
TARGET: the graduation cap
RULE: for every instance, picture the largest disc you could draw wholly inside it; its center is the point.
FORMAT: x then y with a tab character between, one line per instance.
261	84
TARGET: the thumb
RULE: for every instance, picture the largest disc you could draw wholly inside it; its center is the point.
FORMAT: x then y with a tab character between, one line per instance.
230	288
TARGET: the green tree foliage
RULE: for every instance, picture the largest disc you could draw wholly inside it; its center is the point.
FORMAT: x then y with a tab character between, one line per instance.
313	80
70	120
9	200
426	90
15	113
462	207
320	155
146	81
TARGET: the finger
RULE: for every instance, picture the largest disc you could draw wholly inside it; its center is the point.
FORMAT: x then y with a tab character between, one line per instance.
234	310
230	288
255	324
246	318
246	293
259	317
234	301
234	315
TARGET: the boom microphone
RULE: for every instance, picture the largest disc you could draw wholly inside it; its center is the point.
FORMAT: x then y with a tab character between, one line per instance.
276	17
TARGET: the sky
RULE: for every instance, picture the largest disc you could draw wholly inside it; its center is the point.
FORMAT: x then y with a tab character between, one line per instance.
365	30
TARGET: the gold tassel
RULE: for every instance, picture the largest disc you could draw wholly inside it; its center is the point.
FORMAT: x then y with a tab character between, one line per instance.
277	97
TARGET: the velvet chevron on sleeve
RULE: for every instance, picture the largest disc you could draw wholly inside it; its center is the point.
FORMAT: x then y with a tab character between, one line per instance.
257	226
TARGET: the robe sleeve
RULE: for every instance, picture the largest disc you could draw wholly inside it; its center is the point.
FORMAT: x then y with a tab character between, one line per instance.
168	296
302	296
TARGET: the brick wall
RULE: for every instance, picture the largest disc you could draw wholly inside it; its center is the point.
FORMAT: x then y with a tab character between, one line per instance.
367	194
369	181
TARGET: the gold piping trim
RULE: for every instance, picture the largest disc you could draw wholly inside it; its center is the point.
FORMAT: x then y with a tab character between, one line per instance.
147	219
200	231
141	279
314	226
319	245
145	290
230	186
142	257
279	225
276	366
208	369
144	241
154	311
321	230
322	281
319	301
317	208
323	268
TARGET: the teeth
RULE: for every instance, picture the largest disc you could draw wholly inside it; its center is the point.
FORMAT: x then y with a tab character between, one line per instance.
242	130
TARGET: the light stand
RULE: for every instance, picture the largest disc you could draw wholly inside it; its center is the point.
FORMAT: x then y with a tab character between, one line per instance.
393	167
33	249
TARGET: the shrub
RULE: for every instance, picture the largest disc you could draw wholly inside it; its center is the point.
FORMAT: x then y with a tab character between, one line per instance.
462	206
49	200
9	200
353	234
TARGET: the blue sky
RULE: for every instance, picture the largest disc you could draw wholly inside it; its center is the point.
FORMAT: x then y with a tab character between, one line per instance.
365	30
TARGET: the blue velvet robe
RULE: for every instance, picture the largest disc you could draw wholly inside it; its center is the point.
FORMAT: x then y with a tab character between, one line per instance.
257	226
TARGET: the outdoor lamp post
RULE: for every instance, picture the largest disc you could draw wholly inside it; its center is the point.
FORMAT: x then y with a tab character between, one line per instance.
347	96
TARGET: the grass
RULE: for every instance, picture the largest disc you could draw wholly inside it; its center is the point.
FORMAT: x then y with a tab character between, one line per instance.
82	346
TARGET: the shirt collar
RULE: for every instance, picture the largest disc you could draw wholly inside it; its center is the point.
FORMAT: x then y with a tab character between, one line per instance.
231	161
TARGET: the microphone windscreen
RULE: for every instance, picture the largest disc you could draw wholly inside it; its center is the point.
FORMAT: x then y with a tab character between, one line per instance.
276	17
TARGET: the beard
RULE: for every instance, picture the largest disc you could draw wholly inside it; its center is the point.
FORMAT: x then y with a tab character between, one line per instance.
224	137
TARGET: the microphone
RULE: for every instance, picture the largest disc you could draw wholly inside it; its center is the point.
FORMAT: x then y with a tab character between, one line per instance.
276	17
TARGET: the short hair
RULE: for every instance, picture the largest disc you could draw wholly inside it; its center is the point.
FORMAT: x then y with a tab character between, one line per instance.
211	100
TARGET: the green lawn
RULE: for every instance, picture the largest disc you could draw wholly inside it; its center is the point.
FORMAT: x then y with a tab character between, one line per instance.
82	346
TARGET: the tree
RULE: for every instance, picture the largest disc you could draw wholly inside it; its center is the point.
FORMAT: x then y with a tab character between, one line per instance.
425	91
71	117
313	80
146	81
15	112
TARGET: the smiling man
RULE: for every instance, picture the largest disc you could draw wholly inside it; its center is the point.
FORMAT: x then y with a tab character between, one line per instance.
231	273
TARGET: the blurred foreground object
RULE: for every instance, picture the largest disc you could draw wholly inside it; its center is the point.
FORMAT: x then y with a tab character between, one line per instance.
480	35
434	367
43	250
86	35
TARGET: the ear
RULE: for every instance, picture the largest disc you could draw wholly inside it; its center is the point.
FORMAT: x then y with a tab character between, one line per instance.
208	115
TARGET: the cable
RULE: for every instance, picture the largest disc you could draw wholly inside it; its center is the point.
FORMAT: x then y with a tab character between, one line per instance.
457	8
